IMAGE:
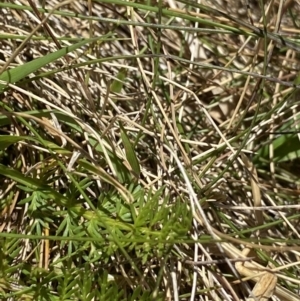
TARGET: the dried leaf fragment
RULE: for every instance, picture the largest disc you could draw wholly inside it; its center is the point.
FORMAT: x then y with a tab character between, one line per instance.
264	288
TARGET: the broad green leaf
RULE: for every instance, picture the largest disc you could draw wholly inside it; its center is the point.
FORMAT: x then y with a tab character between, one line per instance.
20	72
130	153
286	148
7	140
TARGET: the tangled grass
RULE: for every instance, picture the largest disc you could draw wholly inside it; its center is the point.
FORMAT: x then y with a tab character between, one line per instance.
149	150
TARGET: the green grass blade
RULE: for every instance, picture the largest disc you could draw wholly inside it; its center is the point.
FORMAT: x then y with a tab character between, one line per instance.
7	140
130	153
31	183
14	75
286	148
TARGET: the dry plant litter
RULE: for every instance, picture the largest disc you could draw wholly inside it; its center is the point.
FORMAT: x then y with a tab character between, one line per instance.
149	150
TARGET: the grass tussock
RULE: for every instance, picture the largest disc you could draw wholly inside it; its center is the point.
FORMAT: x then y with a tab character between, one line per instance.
149	150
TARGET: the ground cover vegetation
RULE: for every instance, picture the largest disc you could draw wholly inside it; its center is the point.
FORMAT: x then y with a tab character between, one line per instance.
149	150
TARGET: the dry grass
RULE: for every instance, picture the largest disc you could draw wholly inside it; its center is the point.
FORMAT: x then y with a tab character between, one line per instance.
161	160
